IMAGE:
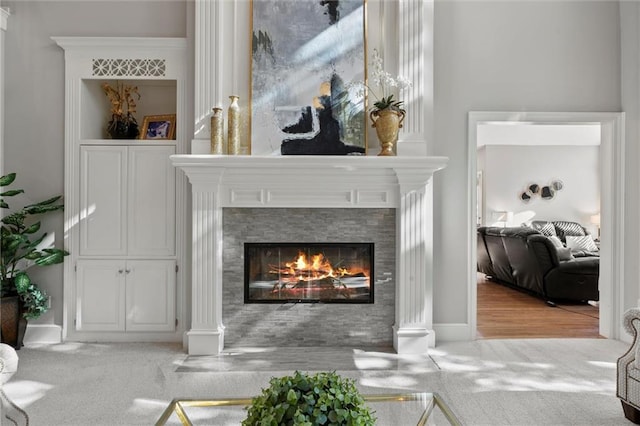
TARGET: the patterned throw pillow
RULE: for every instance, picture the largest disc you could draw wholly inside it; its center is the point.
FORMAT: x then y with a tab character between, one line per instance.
581	243
547	229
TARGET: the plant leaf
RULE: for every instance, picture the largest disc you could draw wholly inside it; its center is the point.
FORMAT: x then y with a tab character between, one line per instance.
12	192
52	257
33	228
22	282
7	179
45	202
39	209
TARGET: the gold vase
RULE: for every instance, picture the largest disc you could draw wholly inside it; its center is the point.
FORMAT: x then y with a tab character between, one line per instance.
217	131
387	123
233	131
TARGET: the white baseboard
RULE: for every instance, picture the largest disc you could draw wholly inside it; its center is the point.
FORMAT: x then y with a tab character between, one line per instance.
452	332
43	333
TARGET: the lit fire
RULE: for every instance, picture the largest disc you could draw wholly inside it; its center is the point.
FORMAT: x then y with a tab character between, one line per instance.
316	268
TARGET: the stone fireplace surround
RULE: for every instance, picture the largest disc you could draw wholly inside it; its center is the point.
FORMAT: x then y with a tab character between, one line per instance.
403	183
308	324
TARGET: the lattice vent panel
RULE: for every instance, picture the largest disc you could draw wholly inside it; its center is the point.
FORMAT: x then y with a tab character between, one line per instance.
129	67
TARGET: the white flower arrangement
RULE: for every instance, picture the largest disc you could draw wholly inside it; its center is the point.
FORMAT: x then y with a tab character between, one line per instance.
387	84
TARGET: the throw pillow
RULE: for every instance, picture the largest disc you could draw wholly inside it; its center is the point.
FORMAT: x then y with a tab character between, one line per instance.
556	241
581	243
564	253
547	229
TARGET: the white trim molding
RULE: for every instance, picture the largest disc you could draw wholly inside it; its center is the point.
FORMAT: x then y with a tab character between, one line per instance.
612	187
4	18
415	62
43	333
403	183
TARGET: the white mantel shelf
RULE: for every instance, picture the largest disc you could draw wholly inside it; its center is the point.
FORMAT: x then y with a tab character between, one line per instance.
403	183
430	164
308	181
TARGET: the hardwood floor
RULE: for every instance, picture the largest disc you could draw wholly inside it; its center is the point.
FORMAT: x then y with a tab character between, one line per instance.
505	313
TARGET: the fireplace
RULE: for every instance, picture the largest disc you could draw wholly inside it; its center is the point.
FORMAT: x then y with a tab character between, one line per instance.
255	193
308	272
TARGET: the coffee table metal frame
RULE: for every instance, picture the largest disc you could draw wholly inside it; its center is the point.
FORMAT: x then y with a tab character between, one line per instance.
178	405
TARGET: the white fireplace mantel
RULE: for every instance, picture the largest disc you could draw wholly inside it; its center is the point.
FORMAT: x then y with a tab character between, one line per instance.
403	183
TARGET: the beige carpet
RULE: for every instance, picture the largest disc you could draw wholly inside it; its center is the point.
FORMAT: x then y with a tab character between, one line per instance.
487	382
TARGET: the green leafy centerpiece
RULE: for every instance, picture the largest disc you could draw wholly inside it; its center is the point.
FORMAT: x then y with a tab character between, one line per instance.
306	400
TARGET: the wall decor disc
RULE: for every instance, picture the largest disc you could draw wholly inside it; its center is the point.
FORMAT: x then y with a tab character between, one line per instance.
557	185
547	193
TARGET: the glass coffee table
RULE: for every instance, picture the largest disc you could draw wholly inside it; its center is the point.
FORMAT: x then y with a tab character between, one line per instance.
421	408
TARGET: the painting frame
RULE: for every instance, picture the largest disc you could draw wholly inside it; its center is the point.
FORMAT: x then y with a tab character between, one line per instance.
305	55
158	127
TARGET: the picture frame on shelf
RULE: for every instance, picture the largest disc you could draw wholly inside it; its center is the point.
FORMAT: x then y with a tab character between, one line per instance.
159	127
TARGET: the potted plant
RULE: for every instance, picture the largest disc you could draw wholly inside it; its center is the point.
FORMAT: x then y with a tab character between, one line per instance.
123	124
20	248
303	399
387	113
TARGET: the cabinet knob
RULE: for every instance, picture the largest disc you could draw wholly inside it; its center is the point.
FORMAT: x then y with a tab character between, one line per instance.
120	271
127	270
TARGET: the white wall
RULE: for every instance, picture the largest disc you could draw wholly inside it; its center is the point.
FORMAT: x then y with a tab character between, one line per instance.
489	55
34	95
508	56
508	171
630	41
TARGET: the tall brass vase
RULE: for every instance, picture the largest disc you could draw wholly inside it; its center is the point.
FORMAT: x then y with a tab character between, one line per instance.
387	123
233	123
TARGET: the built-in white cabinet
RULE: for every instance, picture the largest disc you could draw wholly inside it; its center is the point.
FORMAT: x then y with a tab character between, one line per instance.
126	295
127	194
125	203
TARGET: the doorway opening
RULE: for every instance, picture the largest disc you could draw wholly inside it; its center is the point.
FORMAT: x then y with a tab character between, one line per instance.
611	190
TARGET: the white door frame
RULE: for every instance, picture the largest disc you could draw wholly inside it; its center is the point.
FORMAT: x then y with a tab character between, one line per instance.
611	281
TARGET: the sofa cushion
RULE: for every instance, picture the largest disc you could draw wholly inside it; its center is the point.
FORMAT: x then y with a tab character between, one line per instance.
556	241
564	253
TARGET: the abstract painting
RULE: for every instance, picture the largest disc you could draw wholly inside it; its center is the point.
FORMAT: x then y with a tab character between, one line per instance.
304	55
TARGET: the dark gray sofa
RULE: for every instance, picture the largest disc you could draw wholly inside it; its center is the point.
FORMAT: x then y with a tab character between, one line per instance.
524	258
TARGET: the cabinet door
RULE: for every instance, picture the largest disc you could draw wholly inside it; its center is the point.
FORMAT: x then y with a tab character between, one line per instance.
100	295
102	221
151	295
151	200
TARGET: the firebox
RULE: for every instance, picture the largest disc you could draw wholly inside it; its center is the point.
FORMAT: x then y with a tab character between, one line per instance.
308	272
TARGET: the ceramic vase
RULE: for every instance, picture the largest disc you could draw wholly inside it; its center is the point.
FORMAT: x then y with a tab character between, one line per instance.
217	131
233	130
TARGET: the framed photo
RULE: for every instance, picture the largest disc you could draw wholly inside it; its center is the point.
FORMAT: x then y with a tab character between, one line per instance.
159	127
304	55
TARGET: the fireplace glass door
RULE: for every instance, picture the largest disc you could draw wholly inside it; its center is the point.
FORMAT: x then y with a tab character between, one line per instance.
308	272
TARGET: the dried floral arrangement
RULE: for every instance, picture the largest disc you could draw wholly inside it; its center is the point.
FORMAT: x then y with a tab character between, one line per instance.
123	124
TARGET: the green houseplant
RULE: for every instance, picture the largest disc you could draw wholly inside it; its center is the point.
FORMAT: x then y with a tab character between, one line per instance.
21	248
306	400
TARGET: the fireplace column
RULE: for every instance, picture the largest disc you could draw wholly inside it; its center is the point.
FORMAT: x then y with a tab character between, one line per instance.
413	331
207	331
